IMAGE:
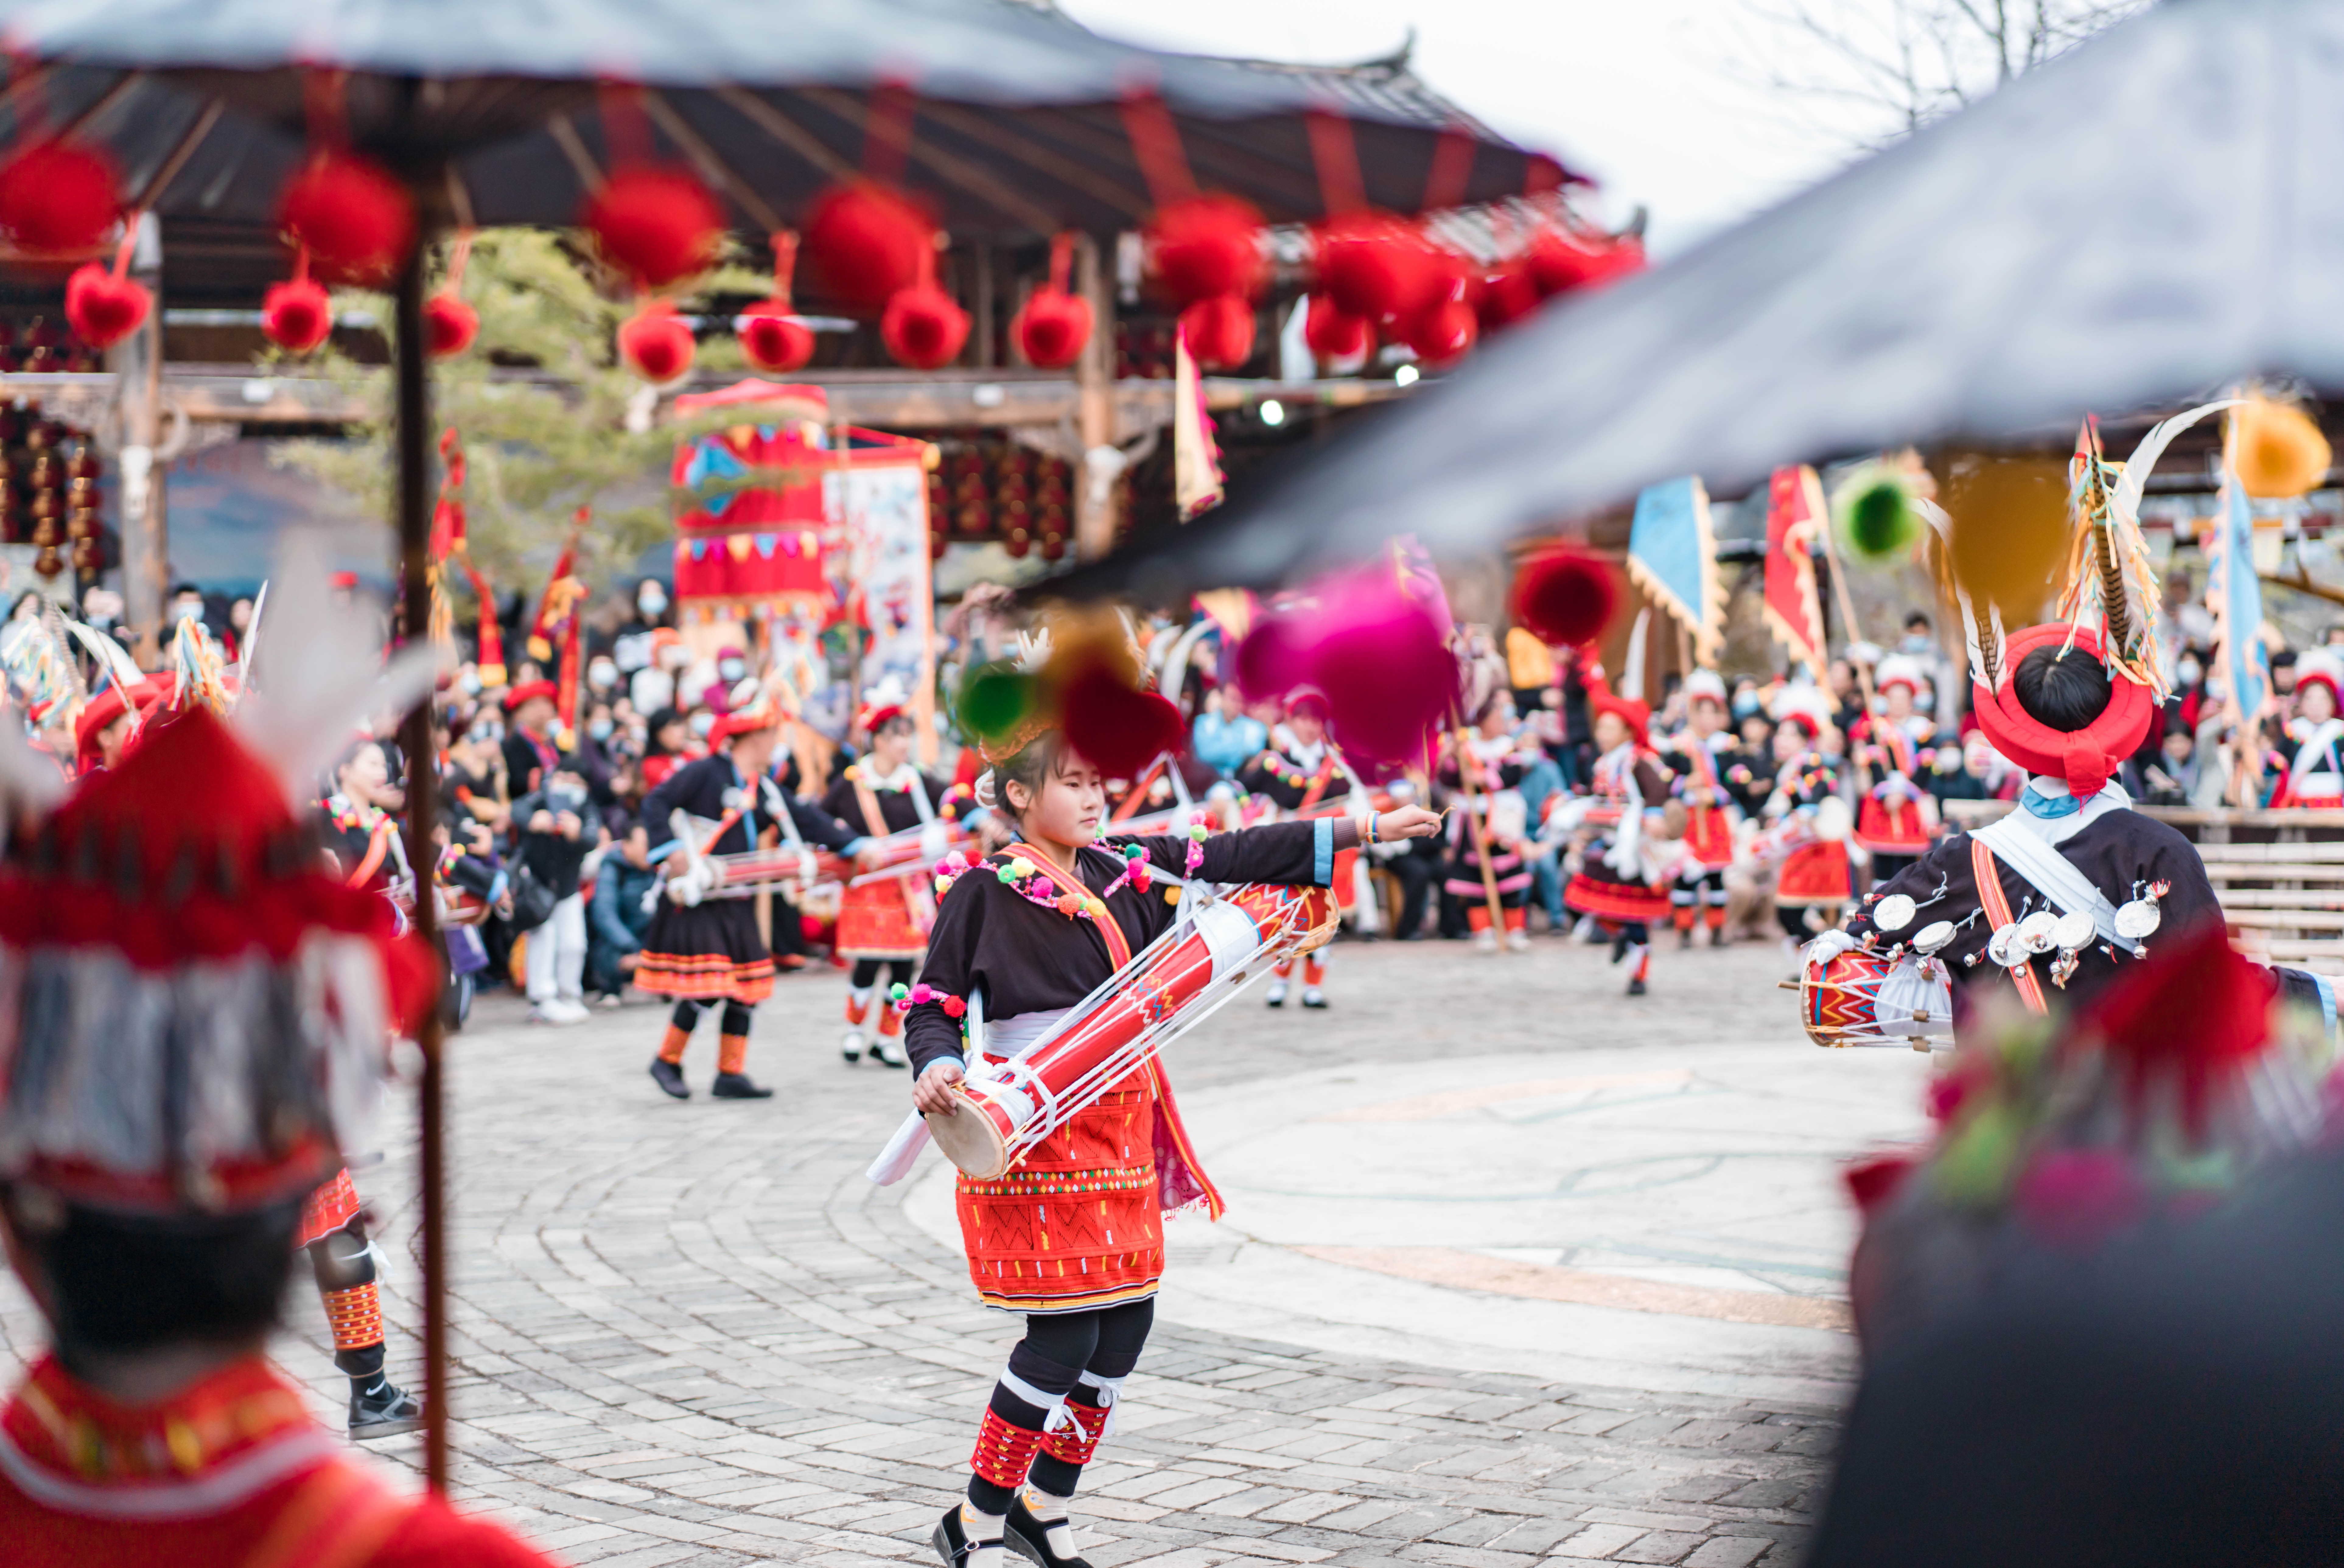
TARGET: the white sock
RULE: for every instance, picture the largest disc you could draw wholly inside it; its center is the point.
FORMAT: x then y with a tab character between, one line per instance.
1050	1511
983	1532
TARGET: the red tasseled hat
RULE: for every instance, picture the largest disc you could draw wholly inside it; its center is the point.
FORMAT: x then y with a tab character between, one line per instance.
174	934
110	706
2085	758
1632	712
528	689
875	714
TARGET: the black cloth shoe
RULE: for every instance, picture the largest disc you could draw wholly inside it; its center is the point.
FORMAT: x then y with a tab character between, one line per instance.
737	1086
669	1075
383	1411
1636	987
1030	1539
952	1541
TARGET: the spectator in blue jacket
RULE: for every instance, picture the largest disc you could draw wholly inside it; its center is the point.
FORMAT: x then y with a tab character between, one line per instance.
1226	737
619	913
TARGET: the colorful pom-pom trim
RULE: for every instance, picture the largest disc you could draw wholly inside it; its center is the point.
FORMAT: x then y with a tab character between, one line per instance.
907	997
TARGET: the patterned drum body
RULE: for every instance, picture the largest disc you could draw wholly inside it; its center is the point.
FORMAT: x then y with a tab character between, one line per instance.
1860	998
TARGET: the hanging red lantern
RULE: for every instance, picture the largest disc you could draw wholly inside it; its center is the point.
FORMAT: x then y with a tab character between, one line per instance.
1508	293
1331	335
923	328
1376	266
1053	324
771	337
1220	332
449	325
1443	332
866	241
1564	597
1205	246
656	344
104	305
295	315
58	198
657	225
351	214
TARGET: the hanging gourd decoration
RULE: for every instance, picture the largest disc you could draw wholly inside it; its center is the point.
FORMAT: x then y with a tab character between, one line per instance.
772	337
1376	266
1333	337
921	326
1875	515
656	224
1566	599
1219	332
351	214
656	343
104	305
2278	451
449	323
1053	324
1204	248
57	198
295	315
866	241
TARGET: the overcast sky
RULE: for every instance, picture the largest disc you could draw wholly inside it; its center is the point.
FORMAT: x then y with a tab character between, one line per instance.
1656	98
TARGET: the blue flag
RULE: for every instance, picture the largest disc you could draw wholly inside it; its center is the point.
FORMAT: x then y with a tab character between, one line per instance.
1672	558
2239	598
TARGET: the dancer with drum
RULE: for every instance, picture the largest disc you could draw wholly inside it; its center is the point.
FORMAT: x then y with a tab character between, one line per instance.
1618	882
1301	773
1898	819
883	927
1699	755
702	950
1072	1236
1812	833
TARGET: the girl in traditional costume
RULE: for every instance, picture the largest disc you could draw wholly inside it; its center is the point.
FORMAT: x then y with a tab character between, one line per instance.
1072	1236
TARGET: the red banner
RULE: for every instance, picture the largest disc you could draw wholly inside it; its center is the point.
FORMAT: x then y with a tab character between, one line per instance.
1795	511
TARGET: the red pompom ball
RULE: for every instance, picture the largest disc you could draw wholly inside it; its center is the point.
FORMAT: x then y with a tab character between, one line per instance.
295	315
656	343
866	241
1273	659
1508	293
1052	327
1388	675
773	338
1377	267
1219	332
1119	730
58	198
1205	245
1442	333
658	225
449	325
1332	335
103	307
1564	598
352	214
923	328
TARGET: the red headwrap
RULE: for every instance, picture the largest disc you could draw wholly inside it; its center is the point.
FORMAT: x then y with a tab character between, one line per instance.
1636	714
2085	758
526	691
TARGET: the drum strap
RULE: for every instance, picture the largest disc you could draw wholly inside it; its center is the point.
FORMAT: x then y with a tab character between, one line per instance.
1998	914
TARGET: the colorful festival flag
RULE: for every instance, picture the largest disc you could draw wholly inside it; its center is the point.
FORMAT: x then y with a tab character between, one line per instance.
1672	558
1794	612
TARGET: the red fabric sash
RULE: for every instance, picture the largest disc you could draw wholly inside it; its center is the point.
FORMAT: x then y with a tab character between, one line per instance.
1997	910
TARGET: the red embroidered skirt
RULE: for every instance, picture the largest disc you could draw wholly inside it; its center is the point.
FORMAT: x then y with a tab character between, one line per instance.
1709	835
709	952
886	919
1816	874
1609	900
328	1209
1886	829
1078	1223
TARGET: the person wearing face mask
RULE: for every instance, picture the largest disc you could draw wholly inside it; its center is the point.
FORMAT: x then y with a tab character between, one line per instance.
667	741
559	825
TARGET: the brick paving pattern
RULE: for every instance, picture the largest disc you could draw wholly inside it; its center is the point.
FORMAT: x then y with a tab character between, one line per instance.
694	1333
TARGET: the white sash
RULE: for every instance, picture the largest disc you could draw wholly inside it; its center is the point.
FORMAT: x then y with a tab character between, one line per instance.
2053	874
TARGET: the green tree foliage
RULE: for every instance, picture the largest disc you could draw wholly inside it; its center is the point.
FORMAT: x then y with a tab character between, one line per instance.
541	403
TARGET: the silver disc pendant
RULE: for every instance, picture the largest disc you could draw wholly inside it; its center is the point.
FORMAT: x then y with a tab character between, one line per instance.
1931	936
2138	918
2004	947
1894	912
2073	930
2034	931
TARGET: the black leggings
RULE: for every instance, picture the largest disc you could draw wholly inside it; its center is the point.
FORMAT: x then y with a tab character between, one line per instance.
736	1017
1057	1351
866	972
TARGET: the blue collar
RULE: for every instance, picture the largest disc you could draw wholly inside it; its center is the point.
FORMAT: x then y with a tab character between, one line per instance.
2049	805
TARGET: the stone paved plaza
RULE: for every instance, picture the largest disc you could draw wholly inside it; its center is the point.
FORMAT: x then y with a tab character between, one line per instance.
1516	1269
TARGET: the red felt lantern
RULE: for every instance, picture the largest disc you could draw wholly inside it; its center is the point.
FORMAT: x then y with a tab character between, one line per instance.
1121	731
1559	264
1564	598
351	215
1018	543
867	241
1376	266
773	338
449	325
1332	335
1206	247
923	328
1442	332
58	198
295	315
657	225
1219	332
1053	325
1508	293
656	343
105	307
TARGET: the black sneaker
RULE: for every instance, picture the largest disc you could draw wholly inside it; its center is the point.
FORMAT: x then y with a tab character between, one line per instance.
383	1411
1636	987
669	1075
737	1086
1030	1539
952	1541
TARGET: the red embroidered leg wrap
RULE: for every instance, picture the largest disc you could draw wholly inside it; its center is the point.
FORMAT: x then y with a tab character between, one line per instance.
1643	962
672	1047
858	1005
1005	1451
1682	914
732	1053
1476	918
1076	1443
1314	970
891	1023
355	1316
1283	971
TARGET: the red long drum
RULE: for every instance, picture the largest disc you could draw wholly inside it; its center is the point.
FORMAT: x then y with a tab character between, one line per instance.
1010	1106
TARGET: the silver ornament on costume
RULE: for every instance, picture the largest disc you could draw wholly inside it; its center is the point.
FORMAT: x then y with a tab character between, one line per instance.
1894	912
2073	931
2034	931
1933	935
2006	948
2138	918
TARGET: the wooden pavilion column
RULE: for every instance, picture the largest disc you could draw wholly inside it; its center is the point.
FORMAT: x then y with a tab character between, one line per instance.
1094	518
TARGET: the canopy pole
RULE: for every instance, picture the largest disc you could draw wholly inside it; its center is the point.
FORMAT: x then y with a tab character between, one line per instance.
411	439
